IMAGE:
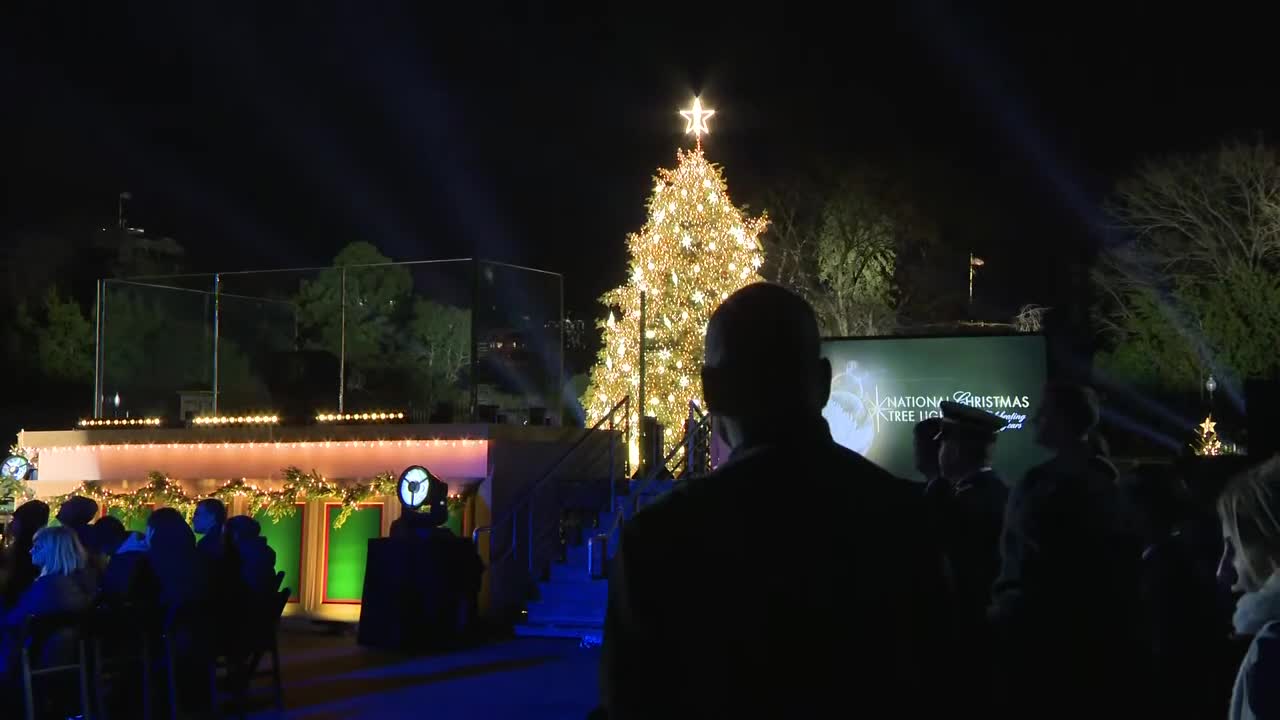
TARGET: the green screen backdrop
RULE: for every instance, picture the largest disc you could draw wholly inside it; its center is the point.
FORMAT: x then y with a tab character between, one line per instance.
348	550
881	387
137	523
285	537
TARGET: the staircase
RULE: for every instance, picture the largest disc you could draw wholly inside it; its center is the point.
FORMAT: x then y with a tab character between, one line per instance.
570	603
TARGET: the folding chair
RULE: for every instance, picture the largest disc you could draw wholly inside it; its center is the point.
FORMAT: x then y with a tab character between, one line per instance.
191	627
121	639
259	639
54	645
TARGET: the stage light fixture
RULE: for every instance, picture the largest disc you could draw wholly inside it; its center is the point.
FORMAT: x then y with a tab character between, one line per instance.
16	467
414	486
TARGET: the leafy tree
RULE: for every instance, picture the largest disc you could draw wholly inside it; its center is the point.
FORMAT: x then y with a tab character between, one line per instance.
398	347
159	342
838	244
63	337
377	304
1195	289
439	347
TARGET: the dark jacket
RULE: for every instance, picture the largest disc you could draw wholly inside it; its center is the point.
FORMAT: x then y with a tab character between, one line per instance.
129	578
1065	604
212	546
970	523
256	563
713	614
1187	616
48	595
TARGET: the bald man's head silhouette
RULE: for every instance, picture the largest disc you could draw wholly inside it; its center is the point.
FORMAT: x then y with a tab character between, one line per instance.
763	371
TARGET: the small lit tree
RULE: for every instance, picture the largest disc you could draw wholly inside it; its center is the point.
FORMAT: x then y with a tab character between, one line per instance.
1207	442
693	251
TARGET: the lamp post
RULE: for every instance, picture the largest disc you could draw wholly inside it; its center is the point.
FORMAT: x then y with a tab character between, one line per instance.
1210	385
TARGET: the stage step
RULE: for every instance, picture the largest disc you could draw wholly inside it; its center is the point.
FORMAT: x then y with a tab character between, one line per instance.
570	603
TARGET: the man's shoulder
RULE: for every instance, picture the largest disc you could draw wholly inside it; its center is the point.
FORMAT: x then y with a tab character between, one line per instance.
823	468
826	462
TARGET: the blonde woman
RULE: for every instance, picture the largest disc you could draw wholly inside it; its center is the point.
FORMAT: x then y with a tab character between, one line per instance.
63	584
1250	512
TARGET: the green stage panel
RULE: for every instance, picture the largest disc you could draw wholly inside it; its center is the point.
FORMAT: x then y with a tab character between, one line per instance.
347	550
137	523
454	523
285	537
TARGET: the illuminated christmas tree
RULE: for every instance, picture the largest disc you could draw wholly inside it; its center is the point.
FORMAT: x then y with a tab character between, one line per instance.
1208	443
694	250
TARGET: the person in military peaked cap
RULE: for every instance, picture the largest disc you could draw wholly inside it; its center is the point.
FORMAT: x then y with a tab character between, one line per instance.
970	516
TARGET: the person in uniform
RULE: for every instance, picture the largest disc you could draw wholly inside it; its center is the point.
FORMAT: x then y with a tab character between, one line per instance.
924	444
968	510
973	509
830	619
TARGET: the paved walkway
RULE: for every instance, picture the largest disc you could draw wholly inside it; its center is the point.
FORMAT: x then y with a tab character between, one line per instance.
328	677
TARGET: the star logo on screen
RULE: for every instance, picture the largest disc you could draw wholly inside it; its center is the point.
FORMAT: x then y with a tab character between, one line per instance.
851	412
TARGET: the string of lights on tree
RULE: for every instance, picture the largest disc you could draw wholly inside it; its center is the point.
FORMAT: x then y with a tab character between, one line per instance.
298	487
693	251
1207	442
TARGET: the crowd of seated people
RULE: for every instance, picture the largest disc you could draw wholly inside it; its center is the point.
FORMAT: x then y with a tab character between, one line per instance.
78	564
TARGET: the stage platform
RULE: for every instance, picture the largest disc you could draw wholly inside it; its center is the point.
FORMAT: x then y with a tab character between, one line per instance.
491	466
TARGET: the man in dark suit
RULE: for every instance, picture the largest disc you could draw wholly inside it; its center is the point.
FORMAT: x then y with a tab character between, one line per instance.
714	613
1064	606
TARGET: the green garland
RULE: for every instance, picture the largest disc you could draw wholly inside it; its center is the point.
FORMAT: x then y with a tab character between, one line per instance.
12	487
298	487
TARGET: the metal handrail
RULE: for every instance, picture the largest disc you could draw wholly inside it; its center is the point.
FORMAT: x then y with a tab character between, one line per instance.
526	500
641	488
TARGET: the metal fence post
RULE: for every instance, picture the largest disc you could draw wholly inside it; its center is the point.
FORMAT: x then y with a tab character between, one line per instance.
97	351
217	327
342	349
613	480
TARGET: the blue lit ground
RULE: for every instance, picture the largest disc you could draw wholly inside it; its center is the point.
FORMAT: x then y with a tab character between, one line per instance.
329	677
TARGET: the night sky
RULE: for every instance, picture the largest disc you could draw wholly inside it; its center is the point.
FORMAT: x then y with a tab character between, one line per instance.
271	136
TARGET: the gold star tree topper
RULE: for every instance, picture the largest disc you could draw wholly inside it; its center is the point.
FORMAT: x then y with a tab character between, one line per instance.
697	117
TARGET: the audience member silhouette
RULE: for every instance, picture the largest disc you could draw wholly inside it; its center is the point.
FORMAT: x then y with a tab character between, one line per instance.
1065	604
76	513
63	586
20	571
171	549
710	617
129	578
108	535
1185	610
209	517
970	515
256	559
1249	509
975	502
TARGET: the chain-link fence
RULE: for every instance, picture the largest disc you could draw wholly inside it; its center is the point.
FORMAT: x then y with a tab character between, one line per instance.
441	341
